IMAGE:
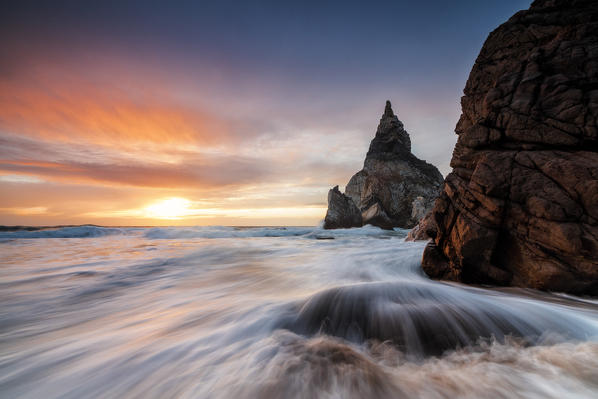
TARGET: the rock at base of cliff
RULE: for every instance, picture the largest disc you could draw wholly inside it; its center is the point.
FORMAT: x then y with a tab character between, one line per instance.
425	230
342	211
376	216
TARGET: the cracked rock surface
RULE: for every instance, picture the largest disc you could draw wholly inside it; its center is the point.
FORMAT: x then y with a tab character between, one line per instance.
521	204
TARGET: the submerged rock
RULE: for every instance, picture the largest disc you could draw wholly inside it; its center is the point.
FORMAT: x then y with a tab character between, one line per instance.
394	188
521	204
423	319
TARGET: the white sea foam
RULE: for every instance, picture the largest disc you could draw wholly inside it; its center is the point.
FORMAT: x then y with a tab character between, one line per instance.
198	232
245	232
62	232
224	232
220	312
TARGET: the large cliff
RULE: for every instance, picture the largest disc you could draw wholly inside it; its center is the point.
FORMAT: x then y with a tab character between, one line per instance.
521	204
394	188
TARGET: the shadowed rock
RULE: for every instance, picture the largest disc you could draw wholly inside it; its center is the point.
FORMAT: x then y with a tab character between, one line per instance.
394	188
421	318
521	205
342	212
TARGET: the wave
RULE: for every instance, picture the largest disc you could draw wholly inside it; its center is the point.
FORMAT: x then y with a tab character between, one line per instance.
174	233
290	366
63	232
223	232
423	318
289	317
355	232
254	232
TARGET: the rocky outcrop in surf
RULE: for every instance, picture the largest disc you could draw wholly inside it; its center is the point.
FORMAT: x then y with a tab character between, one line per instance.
394	188
423	319
342	211
521	204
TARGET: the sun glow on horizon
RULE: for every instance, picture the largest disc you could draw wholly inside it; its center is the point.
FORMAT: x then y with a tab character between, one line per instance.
182	209
169	208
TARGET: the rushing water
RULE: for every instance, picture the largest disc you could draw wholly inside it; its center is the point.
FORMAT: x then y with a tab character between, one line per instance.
220	312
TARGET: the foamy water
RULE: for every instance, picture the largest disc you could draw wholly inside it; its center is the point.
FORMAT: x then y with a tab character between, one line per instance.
220	312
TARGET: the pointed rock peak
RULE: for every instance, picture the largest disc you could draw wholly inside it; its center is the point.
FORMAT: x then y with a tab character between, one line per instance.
394	188
388	110
391	136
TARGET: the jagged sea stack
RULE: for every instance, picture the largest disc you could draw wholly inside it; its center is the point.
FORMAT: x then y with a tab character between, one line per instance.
521	205
394	188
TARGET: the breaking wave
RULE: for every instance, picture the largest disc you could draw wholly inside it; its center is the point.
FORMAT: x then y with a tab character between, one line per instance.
62	232
425	319
195	232
248	232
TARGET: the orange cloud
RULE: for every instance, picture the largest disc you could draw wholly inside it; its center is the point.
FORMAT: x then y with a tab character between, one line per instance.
24	211
82	141
198	174
61	109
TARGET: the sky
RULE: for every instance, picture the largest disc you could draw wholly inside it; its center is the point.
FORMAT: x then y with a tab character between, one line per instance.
219	112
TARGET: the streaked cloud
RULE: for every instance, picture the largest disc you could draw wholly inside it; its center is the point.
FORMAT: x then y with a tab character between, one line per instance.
23	211
20	179
63	110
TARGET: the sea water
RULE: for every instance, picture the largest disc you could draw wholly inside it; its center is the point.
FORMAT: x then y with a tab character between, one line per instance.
295	312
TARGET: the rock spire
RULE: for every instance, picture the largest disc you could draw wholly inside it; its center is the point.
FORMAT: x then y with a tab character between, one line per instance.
394	188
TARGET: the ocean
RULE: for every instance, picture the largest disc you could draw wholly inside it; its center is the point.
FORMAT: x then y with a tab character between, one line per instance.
273	312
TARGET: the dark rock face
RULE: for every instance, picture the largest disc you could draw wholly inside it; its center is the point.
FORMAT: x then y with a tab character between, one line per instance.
394	188
342	212
521	205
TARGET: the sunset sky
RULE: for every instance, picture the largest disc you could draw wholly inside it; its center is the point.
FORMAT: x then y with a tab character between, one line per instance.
219	112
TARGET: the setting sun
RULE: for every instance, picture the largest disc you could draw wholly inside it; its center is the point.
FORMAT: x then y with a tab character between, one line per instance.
170	208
